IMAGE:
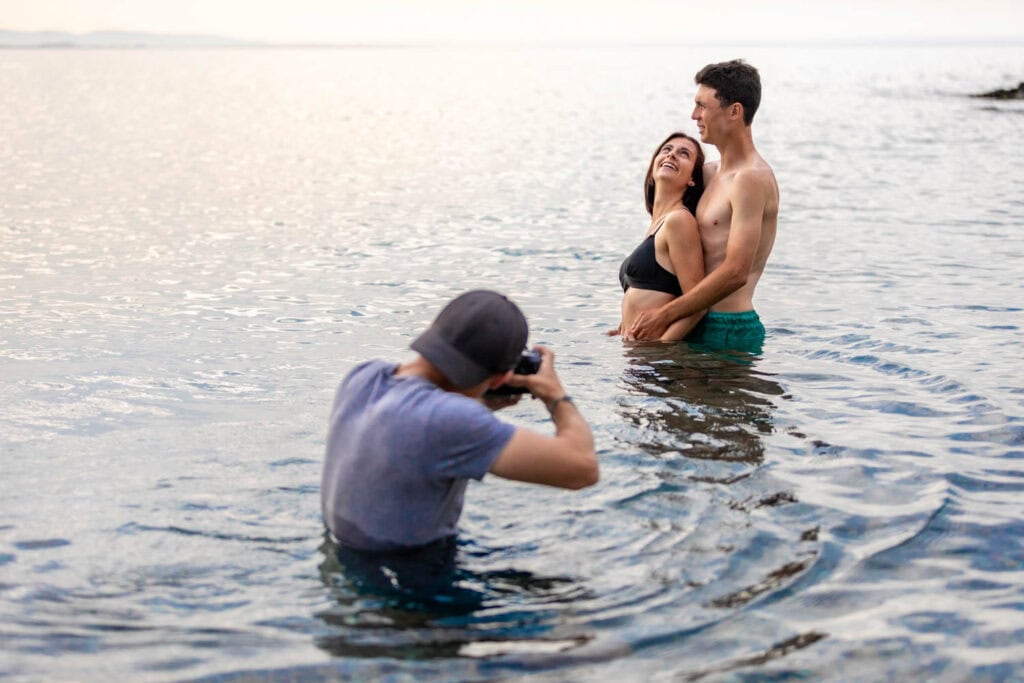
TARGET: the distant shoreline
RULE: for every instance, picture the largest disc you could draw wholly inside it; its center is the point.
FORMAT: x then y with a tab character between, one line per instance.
127	40
499	45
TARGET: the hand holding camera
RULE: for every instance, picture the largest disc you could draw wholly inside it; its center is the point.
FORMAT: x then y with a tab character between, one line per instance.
528	364
534	373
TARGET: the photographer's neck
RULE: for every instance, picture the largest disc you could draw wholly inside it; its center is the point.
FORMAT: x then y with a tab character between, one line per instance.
422	368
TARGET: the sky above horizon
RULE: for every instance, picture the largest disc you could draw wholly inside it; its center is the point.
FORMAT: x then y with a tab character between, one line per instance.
341	21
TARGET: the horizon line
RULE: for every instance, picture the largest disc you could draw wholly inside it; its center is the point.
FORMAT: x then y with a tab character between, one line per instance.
563	44
210	40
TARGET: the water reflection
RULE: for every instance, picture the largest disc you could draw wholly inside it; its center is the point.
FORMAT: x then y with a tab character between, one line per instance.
706	405
701	420
424	580
429	604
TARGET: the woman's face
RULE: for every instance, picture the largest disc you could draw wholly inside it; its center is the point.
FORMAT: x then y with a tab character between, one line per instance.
675	160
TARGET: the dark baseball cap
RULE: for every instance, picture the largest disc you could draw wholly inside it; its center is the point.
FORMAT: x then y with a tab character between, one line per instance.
476	335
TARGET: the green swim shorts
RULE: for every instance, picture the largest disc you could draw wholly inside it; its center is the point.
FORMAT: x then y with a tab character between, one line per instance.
729	332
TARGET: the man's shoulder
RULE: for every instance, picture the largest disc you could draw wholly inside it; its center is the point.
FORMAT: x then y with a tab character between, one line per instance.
418	401
754	178
370	367
366	371
450	422
450	408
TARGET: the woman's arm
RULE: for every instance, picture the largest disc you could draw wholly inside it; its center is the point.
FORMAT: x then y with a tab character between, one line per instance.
685	253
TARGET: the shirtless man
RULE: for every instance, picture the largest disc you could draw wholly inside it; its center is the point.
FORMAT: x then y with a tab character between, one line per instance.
736	217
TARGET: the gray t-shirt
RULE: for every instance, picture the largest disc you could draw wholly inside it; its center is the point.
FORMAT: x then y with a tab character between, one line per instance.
399	453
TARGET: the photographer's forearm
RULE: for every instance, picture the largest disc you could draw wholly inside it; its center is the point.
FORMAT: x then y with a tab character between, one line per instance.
576	454
570	425
571	431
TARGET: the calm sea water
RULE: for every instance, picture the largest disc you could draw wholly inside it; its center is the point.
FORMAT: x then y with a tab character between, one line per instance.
196	245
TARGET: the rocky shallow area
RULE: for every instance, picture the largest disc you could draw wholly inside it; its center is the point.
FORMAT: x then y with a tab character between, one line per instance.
1004	94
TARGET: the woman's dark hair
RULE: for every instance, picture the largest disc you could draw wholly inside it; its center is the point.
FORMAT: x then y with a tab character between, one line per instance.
692	194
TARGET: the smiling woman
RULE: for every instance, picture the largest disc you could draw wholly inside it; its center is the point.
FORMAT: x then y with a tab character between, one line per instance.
669	260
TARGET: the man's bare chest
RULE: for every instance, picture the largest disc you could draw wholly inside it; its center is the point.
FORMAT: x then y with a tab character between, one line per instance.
714	215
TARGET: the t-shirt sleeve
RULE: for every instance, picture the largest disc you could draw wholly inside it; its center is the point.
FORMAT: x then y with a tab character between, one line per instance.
469	438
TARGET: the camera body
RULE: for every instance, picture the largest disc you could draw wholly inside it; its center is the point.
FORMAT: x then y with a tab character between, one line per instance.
528	364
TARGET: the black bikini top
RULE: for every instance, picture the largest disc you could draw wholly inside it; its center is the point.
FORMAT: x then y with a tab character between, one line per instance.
641	270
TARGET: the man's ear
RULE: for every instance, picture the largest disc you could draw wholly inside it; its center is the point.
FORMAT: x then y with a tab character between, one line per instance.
498	379
736	110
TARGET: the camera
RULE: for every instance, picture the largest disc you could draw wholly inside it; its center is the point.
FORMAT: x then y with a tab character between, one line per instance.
528	364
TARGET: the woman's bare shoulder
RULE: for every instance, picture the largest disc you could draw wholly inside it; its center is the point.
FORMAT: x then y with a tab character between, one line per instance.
680	219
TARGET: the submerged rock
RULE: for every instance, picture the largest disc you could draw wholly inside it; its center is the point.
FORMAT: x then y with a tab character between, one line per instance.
1007	94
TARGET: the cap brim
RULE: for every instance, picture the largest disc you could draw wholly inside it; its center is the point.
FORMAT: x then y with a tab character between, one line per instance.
460	370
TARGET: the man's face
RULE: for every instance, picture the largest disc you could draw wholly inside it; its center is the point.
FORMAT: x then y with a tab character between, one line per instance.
707	112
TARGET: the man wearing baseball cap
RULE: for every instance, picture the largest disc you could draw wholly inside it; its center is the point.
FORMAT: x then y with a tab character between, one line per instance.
405	438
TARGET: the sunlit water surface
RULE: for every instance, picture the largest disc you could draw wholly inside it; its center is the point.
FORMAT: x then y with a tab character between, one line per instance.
196	245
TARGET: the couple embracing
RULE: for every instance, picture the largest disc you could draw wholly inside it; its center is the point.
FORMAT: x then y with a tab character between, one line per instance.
712	225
